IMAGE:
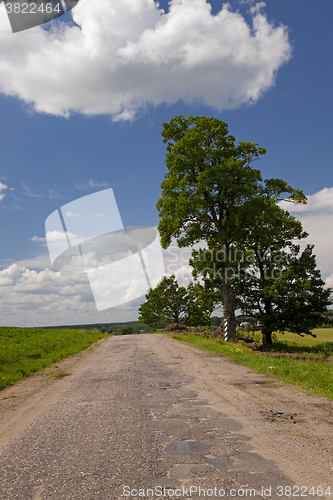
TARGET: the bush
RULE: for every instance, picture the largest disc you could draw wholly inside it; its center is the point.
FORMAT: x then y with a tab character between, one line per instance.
176	327
216	321
127	330
245	338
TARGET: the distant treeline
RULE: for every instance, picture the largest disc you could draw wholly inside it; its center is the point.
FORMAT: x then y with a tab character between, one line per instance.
109	327
137	327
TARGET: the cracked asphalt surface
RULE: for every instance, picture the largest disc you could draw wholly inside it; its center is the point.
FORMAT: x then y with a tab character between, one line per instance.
131	420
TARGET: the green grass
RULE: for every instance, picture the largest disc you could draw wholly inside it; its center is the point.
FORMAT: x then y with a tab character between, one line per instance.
24	351
322	342
314	374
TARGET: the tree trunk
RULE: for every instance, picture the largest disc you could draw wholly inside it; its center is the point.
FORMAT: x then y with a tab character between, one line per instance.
266	333
266	324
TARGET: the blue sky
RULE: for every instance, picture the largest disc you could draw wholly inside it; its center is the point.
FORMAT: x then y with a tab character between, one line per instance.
73	122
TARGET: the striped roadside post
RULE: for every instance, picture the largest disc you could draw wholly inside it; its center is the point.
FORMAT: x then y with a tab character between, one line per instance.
225	330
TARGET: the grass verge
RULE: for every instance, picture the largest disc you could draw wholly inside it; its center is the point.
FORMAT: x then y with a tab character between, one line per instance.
24	351
315	375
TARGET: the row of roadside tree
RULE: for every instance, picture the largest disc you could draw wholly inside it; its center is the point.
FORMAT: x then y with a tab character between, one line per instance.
250	257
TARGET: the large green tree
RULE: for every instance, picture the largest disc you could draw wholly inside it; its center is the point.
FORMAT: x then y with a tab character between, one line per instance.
272	281
170	303
285	295
280	286
208	181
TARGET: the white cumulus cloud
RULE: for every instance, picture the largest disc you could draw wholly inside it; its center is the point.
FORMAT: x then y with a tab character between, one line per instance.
130	53
73	214
38	238
329	281
322	201
2	188
317	220
46	297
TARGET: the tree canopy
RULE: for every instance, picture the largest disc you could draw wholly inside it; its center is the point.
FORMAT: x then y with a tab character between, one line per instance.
271	280
170	303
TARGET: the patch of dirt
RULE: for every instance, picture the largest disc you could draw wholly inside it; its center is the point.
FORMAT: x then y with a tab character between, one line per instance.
11	396
20	402
273	416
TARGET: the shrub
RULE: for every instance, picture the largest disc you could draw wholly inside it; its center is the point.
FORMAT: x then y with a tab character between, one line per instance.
176	327
127	330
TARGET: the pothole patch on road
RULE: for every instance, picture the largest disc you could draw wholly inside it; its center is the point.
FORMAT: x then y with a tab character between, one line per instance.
228	425
220	463
186	448
184	472
166	482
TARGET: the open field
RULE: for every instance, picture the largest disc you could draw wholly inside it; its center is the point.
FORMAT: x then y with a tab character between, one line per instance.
324	339
303	361
24	351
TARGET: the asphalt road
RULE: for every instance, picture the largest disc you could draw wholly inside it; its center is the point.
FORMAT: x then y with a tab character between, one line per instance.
129	422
